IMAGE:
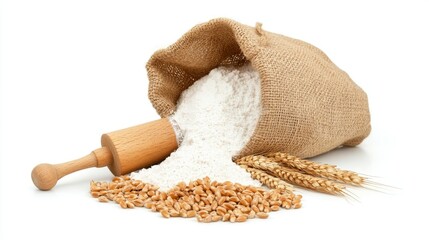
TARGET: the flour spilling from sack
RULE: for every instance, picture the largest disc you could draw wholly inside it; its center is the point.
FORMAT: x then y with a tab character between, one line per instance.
217	116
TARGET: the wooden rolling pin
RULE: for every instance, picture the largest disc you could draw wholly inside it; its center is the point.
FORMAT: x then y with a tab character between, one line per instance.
122	151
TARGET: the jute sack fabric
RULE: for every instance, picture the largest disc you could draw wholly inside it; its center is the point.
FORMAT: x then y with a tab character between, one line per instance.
309	105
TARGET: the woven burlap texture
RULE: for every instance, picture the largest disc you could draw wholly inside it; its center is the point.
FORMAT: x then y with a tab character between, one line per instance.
309	105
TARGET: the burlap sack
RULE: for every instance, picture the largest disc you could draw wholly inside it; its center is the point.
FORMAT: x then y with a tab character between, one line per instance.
310	106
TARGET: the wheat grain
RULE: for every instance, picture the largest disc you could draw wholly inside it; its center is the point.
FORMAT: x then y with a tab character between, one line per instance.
165	213
262	215
242	218
103	199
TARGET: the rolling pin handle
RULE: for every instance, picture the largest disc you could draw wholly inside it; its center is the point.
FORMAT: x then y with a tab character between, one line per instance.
45	176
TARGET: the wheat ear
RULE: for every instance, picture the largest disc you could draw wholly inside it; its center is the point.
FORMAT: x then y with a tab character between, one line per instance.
293	176
320	170
268	180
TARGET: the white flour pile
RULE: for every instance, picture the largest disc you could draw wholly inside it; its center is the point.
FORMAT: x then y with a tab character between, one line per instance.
217	115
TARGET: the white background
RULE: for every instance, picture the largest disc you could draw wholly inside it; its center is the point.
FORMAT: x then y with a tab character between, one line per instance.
72	70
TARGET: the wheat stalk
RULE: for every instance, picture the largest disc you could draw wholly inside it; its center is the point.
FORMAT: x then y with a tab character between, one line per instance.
319	170
293	176
268	180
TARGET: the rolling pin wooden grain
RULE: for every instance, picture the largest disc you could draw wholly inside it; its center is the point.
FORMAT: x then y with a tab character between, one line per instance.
122	151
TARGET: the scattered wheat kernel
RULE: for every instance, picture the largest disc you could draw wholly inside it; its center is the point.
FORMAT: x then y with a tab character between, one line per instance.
252	214
165	213
129	204
262	215
274	208
241	218
103	199
207	219
191	213
195	207
228	206
123	204
216	218
203	213
221	200
221	210
232	218
173	213
177	206
95	194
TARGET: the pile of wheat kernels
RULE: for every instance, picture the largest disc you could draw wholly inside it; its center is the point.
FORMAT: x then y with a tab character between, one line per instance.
208	201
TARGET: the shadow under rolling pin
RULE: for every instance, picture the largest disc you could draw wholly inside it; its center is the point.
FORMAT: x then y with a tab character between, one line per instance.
122	151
